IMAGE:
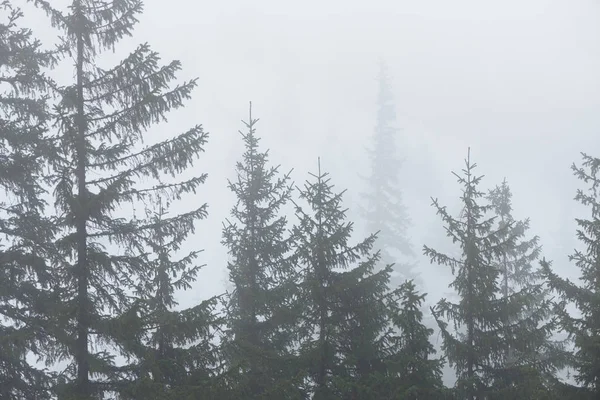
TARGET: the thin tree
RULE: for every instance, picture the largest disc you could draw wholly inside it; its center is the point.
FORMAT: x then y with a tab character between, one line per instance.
384	208
260	319
520	279
101	120
516	262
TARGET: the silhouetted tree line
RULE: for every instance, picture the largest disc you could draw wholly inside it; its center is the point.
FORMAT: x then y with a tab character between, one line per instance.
94	222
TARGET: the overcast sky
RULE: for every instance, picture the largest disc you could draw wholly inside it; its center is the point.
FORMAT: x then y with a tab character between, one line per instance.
516	80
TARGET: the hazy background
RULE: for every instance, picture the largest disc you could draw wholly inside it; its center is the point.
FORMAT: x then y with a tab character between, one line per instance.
517	81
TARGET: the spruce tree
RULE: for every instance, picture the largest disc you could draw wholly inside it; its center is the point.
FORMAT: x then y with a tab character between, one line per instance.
101	173
26	283
260	317
322	248
348	338
583	329
519	279
415	374
384	210
516	263
483	318
362	337
174	354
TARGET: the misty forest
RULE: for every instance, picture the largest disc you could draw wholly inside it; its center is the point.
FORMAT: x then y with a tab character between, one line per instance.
348	275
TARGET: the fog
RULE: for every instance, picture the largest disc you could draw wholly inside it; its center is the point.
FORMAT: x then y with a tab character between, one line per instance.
516	81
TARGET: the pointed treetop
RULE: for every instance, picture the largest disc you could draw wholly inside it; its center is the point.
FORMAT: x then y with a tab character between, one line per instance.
250	124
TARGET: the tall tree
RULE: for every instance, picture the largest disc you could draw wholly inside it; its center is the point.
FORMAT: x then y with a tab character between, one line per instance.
584	329
322	248
477	349
102	118
260	318
350	318
26	282
384	209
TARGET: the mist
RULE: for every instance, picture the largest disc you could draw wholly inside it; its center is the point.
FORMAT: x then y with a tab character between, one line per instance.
517	82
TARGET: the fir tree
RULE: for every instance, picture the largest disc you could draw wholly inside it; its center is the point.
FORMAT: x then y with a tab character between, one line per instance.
384	209
348	340
519	279
517	262
26	283
260	323
175	354
363	336
483	318
321	244
416	375
584	329
102	168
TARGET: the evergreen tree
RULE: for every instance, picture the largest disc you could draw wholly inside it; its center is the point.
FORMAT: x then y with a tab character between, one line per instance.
410	372
384	209
258	344
483	318
362	337
519	279
102	168
585	328
174	352
349	316
25	283
322	248
517	262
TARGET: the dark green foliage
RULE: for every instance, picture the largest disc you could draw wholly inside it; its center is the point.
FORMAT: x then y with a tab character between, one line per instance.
349	316
26	294
322	249
260	323
414	375
486	322
584	329
101	173
93	285
174	353
384	209
362	334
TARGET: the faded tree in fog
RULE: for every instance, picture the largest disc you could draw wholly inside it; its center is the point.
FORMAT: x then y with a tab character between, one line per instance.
259	311
384	209
520	280
516	263
101	173
26	297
